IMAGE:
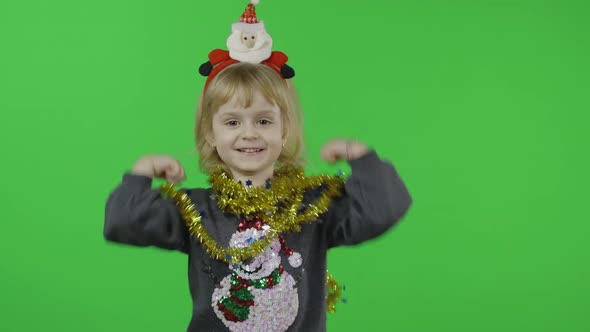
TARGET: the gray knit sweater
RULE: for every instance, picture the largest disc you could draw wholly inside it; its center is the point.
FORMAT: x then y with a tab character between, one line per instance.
375	199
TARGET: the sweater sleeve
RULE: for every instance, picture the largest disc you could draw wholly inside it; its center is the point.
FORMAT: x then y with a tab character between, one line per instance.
374	200
138	215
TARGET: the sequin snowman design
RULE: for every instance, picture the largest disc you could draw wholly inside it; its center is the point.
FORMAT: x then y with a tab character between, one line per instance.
258	295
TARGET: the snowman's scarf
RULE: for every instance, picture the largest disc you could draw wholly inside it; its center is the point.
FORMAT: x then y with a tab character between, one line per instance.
236	306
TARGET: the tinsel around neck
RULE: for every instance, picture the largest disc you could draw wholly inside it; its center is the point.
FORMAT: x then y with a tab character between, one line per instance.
242	198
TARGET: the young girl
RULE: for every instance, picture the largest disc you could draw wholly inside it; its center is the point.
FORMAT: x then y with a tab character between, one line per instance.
257	239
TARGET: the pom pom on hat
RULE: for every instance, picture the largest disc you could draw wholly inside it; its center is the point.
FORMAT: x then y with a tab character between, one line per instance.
295	259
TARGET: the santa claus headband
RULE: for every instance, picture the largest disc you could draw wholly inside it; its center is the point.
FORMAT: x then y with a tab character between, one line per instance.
248	42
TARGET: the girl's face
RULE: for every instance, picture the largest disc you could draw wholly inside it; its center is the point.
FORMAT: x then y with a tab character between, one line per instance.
248	140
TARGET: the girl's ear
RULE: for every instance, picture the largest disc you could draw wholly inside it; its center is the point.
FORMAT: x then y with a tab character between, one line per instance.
210	140
285	137
285	133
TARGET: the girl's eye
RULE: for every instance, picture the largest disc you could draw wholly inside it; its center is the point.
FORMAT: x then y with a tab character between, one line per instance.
232	123
252	37
265	122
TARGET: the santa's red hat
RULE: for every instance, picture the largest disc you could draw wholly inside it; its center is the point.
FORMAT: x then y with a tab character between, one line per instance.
248	21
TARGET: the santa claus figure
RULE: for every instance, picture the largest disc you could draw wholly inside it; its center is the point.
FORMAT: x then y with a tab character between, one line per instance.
249	42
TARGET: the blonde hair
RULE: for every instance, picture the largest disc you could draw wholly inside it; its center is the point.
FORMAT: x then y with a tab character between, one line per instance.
244	80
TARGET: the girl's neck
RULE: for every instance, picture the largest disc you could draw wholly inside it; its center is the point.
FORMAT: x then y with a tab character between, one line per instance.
254	180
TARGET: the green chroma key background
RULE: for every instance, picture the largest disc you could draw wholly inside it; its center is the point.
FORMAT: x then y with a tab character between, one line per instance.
481	106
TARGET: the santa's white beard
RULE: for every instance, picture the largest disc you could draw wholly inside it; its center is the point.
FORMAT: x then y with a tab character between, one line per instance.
260	52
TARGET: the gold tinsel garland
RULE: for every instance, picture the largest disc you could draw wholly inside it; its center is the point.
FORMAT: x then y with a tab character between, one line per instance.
288	188
334	291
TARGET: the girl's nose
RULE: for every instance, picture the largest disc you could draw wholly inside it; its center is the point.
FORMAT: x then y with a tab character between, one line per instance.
249	132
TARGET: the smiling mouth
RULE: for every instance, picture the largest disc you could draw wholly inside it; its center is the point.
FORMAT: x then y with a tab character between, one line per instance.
251	272
250	150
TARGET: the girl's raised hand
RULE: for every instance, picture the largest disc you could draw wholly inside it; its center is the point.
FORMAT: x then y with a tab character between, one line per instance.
160	166
341	149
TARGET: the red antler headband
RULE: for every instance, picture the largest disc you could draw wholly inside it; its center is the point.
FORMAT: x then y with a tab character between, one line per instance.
248	42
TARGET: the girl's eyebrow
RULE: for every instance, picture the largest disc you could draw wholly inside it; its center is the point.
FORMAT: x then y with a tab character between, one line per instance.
266	112
238	114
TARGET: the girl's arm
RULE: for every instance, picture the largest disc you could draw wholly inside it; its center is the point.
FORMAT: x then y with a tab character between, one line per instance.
374	200
138	215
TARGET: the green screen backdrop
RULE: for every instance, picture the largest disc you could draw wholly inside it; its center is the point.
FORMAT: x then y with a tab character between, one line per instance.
482	106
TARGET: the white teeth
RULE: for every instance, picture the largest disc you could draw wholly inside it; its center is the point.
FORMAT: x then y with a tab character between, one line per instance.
250	150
